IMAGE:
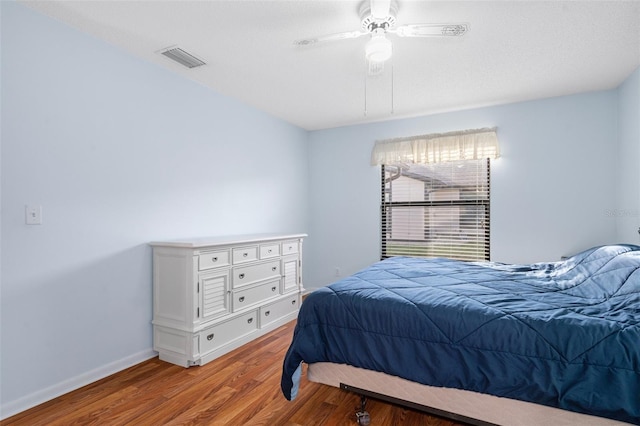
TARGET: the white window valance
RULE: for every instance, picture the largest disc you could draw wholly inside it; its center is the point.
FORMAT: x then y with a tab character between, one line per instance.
437	147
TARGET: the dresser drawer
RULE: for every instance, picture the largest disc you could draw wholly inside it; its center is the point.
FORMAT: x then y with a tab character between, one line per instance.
269	250
279	309
228	331
213	259
244	254
289	247
250	274
251	296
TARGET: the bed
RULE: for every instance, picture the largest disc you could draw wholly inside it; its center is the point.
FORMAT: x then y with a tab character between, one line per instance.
482	342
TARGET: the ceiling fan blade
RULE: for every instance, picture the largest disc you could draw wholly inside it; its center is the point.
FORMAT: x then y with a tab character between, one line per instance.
431	30
329	37
380	8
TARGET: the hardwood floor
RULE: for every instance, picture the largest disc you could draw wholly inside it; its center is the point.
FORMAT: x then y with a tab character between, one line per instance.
240	388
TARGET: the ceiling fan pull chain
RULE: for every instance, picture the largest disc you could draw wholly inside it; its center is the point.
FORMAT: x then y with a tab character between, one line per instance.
392	109
365	94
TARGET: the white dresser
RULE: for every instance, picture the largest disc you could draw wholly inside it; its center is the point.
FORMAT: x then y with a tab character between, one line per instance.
213	295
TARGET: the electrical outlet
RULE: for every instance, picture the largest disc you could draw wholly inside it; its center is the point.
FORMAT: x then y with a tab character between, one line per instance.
33	215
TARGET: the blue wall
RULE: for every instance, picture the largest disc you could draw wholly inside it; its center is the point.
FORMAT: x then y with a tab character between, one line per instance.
118	152
627	212
552	191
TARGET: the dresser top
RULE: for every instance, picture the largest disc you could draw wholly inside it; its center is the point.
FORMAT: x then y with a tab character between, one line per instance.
225	240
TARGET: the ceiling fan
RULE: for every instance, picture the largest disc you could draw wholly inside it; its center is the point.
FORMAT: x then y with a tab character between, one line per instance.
378	18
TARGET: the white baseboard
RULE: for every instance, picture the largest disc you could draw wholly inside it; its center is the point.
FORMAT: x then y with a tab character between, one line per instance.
8	409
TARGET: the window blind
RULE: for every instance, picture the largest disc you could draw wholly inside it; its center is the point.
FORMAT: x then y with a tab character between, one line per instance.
436	210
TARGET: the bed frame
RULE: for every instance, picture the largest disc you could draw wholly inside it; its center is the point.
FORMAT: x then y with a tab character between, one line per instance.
460	405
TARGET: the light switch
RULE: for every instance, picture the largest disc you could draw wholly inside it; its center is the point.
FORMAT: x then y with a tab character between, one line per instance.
33	215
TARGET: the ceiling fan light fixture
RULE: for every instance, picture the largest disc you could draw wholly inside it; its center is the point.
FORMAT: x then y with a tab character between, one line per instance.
378	49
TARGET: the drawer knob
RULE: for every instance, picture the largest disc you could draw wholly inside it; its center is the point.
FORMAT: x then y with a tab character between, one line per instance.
266	314
214	259
250	320
241	276
241	299
210	337
274	268
269	251
273	289
245	254
293	302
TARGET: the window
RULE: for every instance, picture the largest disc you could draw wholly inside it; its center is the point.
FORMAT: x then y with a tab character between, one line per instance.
436	210
435	193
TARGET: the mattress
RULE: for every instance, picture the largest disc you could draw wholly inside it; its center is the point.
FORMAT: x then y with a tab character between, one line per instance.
562	334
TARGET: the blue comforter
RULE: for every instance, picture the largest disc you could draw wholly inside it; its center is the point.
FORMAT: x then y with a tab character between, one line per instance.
564	334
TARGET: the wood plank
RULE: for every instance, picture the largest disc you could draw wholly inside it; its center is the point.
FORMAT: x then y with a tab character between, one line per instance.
239	388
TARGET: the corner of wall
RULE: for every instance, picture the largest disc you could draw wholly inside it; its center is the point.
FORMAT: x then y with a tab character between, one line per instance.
627	211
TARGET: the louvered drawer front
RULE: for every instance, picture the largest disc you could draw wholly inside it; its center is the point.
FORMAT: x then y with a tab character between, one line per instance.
290	275
277	310
269	250
228	331
246	275
289	247
255	295
213	259
215	299
244	254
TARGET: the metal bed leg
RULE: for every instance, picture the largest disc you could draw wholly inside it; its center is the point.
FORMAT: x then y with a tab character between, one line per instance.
362	416
364	419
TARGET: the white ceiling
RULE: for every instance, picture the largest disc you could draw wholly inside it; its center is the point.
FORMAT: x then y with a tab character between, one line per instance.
514	51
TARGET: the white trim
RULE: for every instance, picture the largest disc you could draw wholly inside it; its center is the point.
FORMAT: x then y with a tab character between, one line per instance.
11	408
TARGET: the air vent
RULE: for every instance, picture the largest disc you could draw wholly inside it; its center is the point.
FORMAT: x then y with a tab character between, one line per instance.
182	56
